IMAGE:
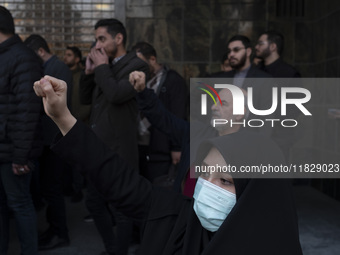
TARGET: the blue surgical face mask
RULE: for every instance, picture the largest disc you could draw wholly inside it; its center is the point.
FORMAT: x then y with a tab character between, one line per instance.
212	204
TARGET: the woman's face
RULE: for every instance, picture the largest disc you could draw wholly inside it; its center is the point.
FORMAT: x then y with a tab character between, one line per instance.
221	179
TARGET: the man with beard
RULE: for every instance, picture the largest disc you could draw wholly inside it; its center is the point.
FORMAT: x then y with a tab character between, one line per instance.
72	58
239	53
113	118
157	152
269	47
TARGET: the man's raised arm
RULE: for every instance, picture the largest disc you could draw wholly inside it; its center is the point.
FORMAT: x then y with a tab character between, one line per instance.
54	94
148	103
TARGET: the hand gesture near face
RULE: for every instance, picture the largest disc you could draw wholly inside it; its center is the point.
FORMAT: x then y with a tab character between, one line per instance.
96	58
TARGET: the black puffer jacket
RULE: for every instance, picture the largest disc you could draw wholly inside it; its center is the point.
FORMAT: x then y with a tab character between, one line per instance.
20	108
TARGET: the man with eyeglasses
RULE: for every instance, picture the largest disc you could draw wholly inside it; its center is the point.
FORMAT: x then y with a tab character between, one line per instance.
239	52
269	47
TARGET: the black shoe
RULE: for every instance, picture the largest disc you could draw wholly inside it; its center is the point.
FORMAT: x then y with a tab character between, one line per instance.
49	240
77	197
106	253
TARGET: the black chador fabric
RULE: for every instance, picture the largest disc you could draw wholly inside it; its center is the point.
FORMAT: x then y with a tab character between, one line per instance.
263	221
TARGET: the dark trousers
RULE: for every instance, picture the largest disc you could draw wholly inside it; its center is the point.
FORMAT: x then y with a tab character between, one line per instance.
77	179
52	169
15	196
102	213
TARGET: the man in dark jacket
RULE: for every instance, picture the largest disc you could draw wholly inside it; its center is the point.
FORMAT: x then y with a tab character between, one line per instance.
269	48
19	119
239	53
51	166
156	149
113	118
72	58
179	130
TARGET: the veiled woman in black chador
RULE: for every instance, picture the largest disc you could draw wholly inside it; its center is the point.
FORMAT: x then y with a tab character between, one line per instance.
263	219
227	216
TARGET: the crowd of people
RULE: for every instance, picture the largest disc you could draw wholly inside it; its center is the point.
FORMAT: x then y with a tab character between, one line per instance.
125	136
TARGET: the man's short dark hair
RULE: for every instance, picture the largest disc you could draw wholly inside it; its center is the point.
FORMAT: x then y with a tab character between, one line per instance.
113	27
35	42
277	38
244	39
6	21
76	51
145	48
